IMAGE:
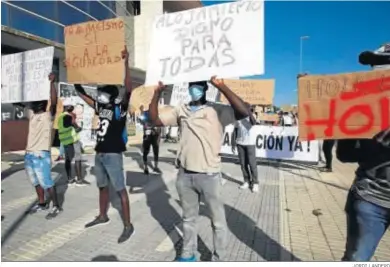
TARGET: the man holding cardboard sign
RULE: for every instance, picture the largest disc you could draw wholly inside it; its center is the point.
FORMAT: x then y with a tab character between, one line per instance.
202	126
356	111
112	110
38	151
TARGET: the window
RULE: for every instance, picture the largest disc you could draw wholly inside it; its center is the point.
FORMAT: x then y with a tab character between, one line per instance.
83	5
68	15
4	14
134	7
44	8
111	5
98	11
26	22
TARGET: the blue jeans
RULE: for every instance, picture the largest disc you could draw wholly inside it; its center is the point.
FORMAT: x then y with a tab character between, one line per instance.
366	224
109	168
190	187
38	168
62	151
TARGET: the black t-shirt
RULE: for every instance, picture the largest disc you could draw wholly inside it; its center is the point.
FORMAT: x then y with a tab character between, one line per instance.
109	135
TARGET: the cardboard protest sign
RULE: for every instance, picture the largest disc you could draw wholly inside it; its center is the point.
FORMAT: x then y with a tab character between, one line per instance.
268	117
351	105
288	108
24	76
226	40
93	52
275	142
180	94
142	96
255	92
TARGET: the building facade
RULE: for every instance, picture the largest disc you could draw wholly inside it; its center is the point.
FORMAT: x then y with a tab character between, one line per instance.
28	25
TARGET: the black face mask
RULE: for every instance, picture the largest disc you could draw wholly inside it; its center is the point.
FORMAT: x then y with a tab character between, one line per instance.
38	106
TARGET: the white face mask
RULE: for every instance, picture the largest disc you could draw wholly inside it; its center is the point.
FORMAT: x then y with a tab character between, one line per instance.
103	98
118	100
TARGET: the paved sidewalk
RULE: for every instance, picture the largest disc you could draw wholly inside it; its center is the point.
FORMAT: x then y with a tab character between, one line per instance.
297	215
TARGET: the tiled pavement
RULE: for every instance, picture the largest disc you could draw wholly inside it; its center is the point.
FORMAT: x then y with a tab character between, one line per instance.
297	215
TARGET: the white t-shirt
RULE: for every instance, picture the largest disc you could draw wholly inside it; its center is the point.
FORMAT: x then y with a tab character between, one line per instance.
243	132
287	120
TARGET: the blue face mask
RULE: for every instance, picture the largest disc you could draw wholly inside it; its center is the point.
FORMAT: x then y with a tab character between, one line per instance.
196	92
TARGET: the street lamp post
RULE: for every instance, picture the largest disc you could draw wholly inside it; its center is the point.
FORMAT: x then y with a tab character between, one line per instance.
301	52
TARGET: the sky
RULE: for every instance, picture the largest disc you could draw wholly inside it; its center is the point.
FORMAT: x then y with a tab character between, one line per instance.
338	32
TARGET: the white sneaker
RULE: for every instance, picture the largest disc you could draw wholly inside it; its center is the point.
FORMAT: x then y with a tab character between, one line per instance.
255	188
244	186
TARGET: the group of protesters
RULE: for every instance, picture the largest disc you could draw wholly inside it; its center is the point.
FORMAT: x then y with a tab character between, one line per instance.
202	125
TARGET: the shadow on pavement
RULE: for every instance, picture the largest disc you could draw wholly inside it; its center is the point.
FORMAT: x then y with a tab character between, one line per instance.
231	179
103	258
16	224
11	170
62	180
248	233
319	181
138	158
115	200
162	211
61	187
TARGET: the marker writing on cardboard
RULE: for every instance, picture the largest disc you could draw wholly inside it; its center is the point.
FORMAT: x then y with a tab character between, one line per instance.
361	89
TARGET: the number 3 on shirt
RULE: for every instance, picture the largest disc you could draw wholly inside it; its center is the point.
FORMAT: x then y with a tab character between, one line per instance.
103	126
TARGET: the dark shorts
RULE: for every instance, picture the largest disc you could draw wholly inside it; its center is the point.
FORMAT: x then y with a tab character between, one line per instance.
73	151
109	168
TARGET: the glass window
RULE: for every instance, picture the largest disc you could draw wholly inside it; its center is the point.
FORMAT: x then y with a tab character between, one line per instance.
4	14
44	8
26	22
83	5
98	11
111	5
68	15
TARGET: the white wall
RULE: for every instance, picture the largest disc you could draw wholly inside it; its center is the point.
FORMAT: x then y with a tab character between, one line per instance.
143	25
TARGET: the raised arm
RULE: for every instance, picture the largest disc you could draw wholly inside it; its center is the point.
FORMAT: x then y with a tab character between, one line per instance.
53	94
239	106
128	85
87	99
153	107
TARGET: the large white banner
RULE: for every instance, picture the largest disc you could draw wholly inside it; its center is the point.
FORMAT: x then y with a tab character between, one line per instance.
180	94
84	113
24	76
226	40
275	142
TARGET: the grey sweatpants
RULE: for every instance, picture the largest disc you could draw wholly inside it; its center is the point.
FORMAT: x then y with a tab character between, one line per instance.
191	186
247	157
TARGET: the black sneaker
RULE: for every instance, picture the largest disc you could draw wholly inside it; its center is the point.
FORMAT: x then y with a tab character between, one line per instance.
53	213
71	181
38	208
146	171
98	221
82	183
325	169
157	170
128	231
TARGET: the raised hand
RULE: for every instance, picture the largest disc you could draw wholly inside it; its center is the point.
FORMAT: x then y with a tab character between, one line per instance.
52	77
216	82
125	54
160	87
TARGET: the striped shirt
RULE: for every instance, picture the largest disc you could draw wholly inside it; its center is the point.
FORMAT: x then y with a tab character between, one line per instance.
372	181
